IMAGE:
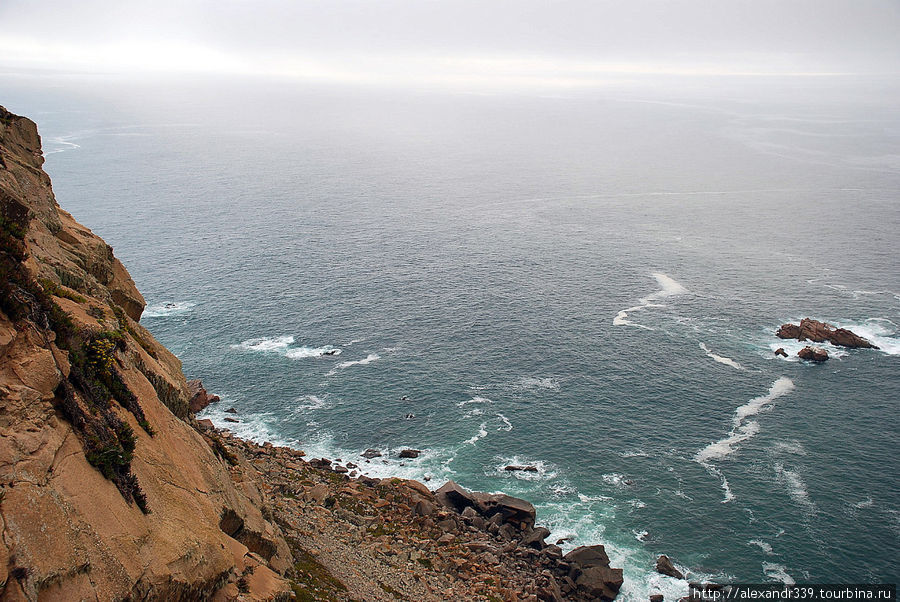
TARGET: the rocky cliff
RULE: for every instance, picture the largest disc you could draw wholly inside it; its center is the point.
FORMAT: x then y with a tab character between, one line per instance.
106	490
111	490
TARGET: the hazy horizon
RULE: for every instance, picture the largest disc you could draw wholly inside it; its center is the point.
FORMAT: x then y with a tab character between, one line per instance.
464	44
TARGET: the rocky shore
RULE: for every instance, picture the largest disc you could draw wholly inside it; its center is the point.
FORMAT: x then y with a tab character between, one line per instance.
110	489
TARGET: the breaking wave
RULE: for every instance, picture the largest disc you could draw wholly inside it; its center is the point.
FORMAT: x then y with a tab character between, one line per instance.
168	308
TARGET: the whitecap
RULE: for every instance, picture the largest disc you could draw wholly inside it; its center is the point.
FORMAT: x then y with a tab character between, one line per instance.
544	471
476	399
795	484
669	288
777	572
765	547
297	353
640	535
363	362
531	382
866	503
482	433
720	359
639	453
265	345
310	402
167	308
881	332
614	478
742	428
507	425
638	504
473	413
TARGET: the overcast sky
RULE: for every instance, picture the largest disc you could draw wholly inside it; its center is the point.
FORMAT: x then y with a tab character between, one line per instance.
520	41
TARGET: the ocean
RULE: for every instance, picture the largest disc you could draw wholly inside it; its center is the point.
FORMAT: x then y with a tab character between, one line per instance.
584	281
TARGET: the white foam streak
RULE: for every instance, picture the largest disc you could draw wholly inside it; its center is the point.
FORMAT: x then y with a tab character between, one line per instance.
795	484
778	573
302	352
720	359
476	399
265	345
363	362
742	430
669	288
507	425
482	433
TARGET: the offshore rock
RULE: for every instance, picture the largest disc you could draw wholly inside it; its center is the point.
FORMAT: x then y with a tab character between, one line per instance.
820	332
780	351
813	354
664	566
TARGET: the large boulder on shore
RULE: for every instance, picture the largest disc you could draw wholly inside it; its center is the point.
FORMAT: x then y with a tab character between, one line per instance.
512	510
664	566
593	577
820	332
200	397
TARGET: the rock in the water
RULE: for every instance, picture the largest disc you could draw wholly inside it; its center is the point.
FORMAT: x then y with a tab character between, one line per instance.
371	453
229	419
780	351
664	566
656	598
410	453
820	332
231	411
813	354
517	468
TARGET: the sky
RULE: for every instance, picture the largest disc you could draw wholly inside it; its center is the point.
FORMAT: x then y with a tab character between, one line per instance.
516	42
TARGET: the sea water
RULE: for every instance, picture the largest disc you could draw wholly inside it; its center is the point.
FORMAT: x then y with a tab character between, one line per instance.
588	283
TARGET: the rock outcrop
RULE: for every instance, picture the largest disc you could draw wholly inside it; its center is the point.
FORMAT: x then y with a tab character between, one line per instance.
820	332
200	397
106	490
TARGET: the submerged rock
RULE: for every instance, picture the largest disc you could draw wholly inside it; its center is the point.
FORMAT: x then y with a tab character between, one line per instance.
820	332
813	354
371	453
517	468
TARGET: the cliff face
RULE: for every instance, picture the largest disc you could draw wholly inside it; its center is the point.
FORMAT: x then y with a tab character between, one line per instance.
106	489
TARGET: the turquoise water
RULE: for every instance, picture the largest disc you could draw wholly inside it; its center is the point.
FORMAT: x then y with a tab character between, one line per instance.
586	283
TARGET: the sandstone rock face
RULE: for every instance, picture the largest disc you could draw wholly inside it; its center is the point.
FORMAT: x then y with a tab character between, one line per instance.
68	532
813	354
820	332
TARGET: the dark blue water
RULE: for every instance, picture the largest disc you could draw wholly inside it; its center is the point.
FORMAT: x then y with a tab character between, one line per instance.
475	254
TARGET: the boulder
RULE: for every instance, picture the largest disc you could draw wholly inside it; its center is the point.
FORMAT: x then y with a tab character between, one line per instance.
813	354
503	508
535	539
820	332
371	453
600	582
587	556
780	351
664	566
410	453
231	411
657	598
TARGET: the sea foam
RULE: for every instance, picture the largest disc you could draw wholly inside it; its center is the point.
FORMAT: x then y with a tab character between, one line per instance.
720	359
743	429
167	308
669	288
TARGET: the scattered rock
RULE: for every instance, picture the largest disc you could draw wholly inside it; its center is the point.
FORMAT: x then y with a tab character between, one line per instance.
410	453
231	411
229	419
331	352
664	566
780	351
340	469
371	453
206	424
820	332
535	539
813	354
585	556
